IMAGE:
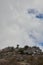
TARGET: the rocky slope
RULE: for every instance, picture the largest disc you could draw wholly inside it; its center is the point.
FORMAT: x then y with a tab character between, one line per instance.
21	56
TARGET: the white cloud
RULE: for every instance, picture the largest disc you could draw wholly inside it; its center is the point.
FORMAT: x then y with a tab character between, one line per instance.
17	24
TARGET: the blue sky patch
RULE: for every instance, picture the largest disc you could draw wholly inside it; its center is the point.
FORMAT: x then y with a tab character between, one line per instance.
39	16
41	43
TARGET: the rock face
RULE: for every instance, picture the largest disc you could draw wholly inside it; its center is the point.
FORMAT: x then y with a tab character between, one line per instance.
22	56
34	50
3	62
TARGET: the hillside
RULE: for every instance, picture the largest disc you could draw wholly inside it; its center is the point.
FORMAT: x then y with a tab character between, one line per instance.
21	56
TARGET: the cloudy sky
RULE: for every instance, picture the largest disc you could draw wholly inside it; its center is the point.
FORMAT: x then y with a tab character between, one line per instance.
21	22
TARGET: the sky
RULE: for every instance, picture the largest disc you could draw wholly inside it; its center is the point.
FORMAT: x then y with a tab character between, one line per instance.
21	22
